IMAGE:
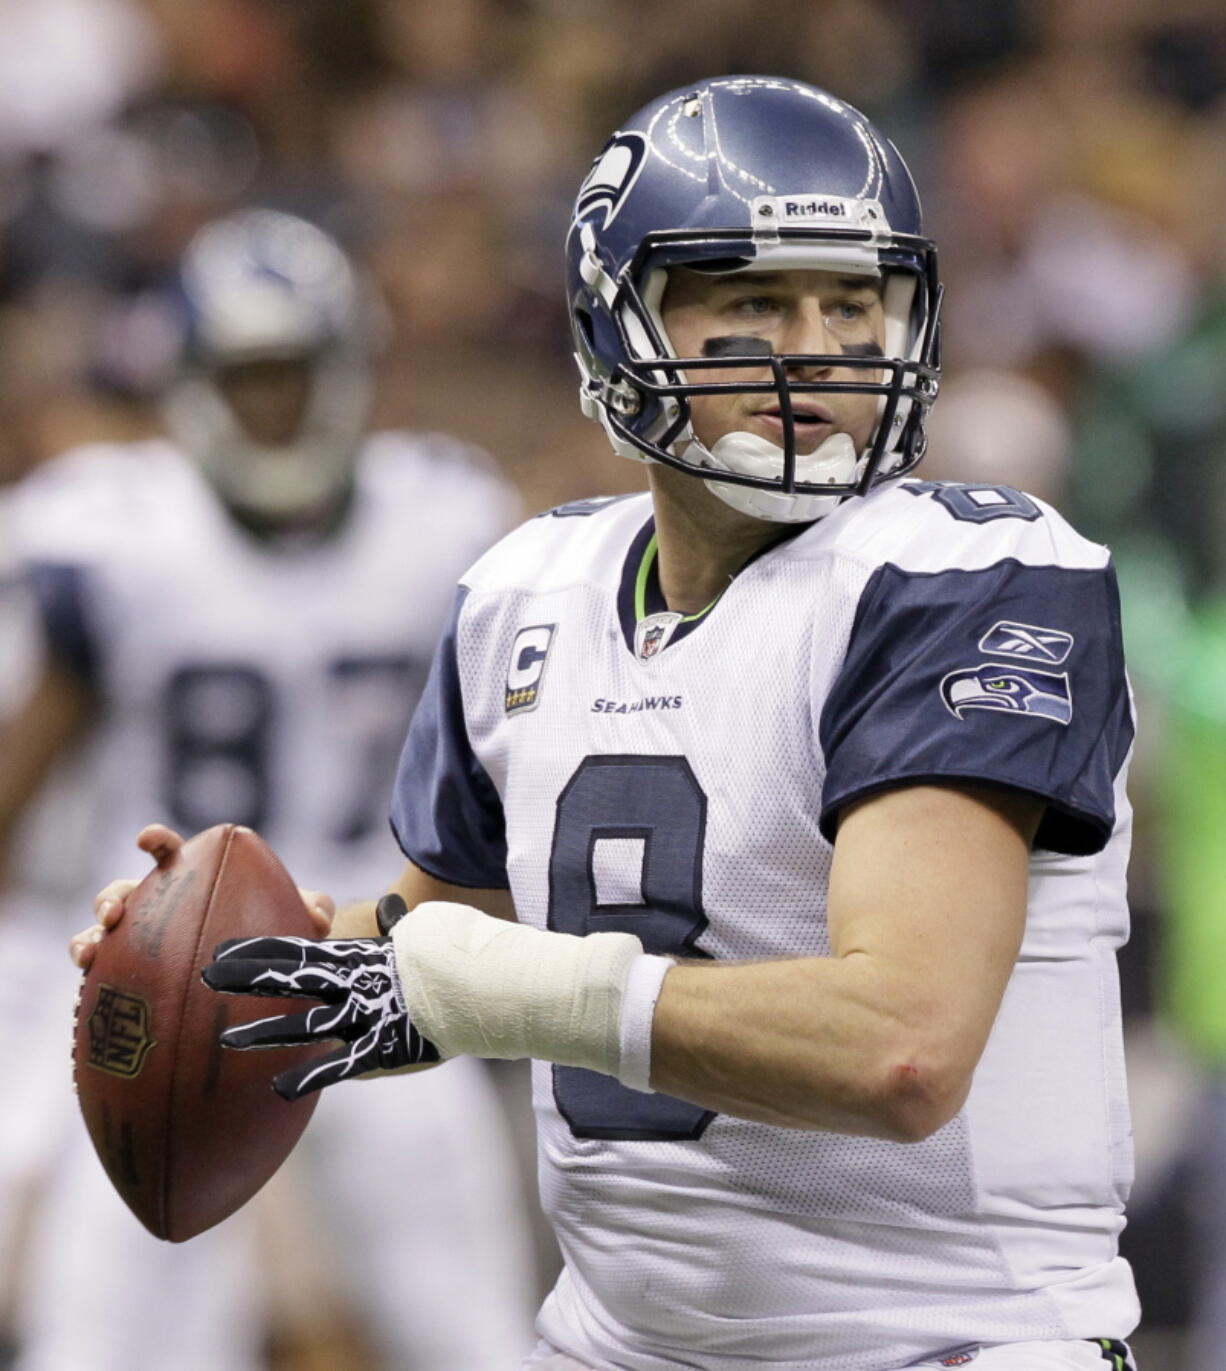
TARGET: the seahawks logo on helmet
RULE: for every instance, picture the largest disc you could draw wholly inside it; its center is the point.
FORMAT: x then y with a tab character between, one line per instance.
612	175
1008	690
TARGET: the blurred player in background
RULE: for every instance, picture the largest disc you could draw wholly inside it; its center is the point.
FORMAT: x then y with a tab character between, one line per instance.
44	874
20	1135
797	791
240	618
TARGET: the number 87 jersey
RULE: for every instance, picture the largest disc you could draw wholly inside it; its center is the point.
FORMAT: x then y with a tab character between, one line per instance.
261	681
619	766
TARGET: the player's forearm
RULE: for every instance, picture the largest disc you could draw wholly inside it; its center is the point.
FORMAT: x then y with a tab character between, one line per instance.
415	886
842	1044
850	1044
53	716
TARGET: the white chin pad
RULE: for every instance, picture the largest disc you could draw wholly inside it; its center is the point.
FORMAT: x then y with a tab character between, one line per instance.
747	454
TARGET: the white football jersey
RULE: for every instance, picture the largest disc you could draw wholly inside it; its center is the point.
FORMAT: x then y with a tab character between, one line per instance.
215	655
19	654
620	767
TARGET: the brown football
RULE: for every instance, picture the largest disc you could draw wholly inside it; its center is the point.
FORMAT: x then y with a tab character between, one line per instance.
188	1130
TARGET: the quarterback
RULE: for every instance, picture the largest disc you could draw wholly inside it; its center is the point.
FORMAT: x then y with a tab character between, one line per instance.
796	790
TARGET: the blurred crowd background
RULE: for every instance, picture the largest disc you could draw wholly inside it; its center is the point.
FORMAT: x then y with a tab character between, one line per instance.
1072	159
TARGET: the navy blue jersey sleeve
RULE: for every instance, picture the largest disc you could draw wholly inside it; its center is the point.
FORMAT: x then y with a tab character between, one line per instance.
446	814
61	595
1012	675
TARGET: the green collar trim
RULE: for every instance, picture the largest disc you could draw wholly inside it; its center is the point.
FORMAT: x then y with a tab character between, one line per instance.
650	553
640	581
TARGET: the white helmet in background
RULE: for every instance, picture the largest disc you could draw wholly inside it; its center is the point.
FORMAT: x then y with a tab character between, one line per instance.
263	286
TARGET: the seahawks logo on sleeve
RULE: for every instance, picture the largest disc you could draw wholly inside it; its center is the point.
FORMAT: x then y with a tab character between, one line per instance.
1009	690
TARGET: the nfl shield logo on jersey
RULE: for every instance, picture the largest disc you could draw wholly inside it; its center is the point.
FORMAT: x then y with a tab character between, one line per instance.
1008	690
651	634
529	653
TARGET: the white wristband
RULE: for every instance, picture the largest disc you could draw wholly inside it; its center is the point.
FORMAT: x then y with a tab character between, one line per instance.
490	988
643	986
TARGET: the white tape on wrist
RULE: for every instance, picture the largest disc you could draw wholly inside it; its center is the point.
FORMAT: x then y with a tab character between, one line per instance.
485	987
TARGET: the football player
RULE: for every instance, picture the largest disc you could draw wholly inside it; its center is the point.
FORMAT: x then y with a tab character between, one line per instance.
795	791
19	655
241	617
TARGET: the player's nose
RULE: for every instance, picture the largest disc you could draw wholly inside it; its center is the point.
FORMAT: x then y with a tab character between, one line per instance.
809	336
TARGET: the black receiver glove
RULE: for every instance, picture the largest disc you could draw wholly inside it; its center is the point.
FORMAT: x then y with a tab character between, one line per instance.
362	1005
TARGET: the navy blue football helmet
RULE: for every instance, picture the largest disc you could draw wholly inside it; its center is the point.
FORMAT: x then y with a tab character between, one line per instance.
750	173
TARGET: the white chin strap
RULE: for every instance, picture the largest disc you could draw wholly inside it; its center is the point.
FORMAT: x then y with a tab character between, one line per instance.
833	462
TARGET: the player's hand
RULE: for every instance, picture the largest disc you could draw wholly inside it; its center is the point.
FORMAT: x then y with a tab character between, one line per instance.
162	843
362	1006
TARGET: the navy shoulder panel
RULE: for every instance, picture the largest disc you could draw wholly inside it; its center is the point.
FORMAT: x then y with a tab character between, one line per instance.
60	593
1011	675
446	813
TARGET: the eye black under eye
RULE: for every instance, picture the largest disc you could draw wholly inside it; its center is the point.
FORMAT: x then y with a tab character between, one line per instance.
737	345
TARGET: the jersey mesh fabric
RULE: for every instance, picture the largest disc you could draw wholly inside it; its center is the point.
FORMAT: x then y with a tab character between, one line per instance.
747	1243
